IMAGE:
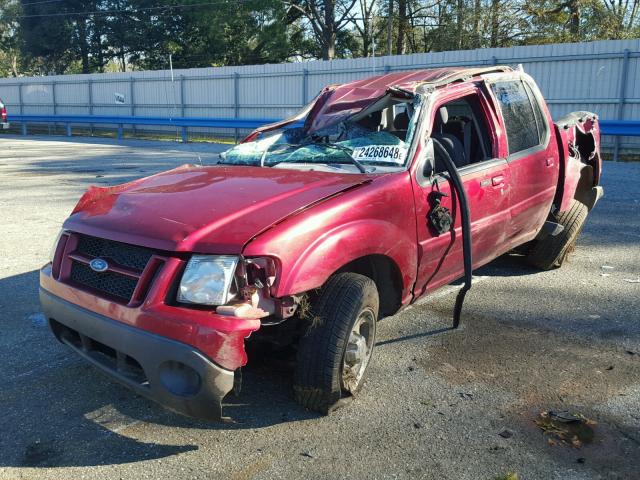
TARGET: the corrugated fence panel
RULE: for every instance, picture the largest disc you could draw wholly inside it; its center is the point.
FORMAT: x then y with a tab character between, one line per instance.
577	76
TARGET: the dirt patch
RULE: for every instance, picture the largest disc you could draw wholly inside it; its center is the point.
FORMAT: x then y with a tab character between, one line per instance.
538	371
540	368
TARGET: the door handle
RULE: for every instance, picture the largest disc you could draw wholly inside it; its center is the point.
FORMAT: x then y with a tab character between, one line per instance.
497	180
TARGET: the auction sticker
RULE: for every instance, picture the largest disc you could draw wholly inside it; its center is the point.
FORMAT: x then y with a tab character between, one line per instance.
381	153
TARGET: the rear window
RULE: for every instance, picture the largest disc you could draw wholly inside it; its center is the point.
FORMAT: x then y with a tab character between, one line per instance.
524	126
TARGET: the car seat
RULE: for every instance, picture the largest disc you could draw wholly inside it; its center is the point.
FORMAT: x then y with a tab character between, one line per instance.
450	142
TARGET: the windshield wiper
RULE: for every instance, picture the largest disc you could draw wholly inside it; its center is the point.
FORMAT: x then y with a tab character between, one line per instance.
348	151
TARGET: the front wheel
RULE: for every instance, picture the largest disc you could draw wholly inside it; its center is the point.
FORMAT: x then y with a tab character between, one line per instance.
551	251
334	353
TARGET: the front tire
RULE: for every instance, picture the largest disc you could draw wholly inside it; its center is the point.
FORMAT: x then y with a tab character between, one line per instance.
551	252
334	353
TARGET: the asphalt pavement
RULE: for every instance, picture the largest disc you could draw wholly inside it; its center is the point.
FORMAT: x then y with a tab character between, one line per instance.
438	404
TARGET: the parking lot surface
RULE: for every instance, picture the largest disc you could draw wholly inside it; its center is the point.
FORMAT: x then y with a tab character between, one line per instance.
437	404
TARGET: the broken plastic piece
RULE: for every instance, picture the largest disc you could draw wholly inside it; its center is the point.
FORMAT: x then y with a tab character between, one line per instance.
242	310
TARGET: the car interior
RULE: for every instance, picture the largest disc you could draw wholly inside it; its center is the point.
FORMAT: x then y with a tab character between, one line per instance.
460	127
387	115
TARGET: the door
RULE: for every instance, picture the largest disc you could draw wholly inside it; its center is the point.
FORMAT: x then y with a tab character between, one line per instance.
464	120
532	156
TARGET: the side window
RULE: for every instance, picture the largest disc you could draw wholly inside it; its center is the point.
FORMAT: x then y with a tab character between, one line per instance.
541	120
523	128
460	126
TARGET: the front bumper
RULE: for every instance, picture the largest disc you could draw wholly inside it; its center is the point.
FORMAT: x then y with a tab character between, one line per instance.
171	373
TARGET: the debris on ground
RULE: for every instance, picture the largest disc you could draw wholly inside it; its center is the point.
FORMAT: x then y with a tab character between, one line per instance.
506	433
572	429
607	267
307	454
632	280
508	476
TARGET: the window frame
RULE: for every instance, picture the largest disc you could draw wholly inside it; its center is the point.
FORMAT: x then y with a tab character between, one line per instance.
437	100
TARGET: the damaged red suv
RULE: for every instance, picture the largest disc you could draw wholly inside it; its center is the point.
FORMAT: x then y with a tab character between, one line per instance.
304	235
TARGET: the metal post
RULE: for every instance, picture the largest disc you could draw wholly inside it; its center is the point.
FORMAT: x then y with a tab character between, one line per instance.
53	97
182	107
20	98
305	86
23	125
387	68
236	100
90	94
494	60
185	131
622	92
133	105
132	108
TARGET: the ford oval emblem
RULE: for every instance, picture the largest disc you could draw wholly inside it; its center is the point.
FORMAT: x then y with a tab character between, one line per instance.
98	265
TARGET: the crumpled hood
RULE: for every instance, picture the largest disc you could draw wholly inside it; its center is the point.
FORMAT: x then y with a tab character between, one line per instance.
214	209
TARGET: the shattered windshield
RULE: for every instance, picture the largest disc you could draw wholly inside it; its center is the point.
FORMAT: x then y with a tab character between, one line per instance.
375	139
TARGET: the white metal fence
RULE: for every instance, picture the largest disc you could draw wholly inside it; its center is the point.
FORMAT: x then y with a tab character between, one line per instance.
603	77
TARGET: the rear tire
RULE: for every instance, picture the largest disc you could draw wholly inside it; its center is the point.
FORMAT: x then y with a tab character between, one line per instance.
551	252
334	353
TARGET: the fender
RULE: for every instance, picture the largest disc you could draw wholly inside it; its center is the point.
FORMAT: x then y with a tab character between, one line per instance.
344	244
578	136
376	218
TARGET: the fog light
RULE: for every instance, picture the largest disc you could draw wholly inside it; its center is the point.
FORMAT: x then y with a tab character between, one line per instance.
179	379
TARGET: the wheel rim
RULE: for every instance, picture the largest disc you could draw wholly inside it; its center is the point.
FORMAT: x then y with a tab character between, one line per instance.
359	349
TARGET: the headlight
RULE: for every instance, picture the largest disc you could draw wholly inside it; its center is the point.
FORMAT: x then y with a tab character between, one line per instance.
207	279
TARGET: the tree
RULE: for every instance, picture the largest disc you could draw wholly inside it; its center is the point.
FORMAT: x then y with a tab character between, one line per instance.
10	57
327	18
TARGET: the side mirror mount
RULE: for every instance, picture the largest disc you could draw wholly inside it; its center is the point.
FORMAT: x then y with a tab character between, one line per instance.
429	168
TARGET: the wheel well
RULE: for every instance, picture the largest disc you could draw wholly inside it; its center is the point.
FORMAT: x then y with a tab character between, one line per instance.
387	277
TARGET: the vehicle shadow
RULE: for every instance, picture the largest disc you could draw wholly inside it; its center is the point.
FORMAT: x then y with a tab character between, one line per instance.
511	264
59	411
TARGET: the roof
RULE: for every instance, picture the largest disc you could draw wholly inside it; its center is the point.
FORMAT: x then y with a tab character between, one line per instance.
340	101
410	80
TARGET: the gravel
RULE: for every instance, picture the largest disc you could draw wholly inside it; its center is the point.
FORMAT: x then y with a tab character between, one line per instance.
437	404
